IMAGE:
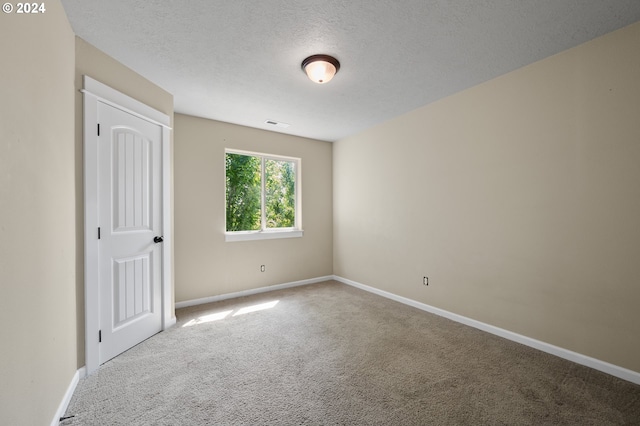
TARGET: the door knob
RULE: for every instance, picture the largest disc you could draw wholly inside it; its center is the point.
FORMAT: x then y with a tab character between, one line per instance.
158	239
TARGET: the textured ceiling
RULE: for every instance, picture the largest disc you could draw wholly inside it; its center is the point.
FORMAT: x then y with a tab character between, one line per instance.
239	61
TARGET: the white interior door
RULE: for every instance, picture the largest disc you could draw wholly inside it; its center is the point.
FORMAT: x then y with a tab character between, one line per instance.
129	219
128	284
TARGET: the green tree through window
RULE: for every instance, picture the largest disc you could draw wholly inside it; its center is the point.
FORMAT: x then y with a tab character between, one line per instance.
243	192
254	206
280	197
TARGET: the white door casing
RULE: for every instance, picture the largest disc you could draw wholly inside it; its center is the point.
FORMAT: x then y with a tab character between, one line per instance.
126	171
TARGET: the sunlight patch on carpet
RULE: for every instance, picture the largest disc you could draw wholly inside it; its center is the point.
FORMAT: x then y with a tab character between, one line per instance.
254	308
224	314
208	318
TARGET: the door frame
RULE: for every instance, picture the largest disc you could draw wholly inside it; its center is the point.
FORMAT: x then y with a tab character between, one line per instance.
94	93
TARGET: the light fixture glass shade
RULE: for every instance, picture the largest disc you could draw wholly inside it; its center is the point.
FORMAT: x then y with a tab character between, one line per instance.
320	68
320	71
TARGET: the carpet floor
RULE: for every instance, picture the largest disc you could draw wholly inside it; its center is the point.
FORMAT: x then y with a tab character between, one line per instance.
331	354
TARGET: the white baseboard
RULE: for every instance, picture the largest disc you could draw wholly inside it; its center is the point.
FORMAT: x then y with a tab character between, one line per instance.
243	293
596	364
62	408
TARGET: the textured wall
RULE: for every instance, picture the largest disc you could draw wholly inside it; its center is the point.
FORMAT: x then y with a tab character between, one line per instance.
99	66
206	265
519	198
37	216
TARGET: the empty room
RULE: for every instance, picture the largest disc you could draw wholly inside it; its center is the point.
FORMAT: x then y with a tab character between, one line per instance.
359	213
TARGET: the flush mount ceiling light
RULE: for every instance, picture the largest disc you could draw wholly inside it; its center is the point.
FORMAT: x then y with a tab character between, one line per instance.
320	68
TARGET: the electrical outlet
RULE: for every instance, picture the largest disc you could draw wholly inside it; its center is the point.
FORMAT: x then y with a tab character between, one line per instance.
262	268
425	280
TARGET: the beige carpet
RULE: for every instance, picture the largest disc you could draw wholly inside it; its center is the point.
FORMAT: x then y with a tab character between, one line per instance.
330	354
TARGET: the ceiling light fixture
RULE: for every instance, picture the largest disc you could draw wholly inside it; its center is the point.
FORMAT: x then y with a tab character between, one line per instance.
320	68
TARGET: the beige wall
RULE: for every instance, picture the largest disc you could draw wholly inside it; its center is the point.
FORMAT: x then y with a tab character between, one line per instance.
205	264
99	66
37	215
519	198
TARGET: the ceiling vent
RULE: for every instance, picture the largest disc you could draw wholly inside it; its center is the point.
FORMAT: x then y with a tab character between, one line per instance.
277	124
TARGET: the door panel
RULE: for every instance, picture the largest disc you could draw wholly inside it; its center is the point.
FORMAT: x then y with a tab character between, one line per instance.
131	289
131	200
129	208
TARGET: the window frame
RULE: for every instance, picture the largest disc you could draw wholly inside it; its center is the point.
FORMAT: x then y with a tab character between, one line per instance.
265	233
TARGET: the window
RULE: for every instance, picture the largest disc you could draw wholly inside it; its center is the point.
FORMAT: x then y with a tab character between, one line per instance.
262	196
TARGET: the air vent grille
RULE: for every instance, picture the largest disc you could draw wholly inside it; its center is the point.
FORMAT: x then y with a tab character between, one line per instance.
277	124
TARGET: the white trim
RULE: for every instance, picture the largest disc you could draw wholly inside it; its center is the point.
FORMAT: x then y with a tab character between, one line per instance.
91	251
276	157
94	93
169	322
596	364
123	102
66	399
261	235
168	312
243	293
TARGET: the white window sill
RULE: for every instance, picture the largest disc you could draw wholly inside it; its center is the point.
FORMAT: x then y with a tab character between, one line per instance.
261	235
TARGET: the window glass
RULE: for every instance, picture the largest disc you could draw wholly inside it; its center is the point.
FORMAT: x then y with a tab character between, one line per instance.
280	196
243	192
260	192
